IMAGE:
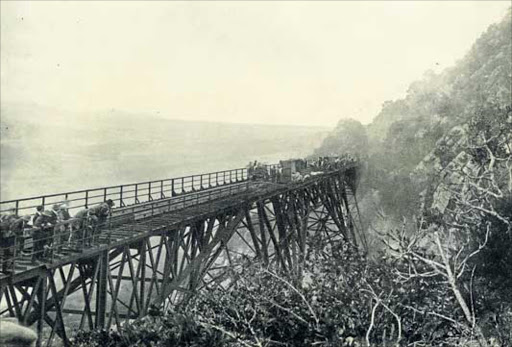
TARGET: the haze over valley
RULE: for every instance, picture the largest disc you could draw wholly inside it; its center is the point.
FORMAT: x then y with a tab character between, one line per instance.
73	152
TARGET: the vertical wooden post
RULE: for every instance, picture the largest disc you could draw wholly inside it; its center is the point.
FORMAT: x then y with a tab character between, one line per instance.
168	263
41	296
281	229
254	237
142	262
101	300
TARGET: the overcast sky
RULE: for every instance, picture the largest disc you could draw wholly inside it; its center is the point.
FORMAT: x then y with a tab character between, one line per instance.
246	62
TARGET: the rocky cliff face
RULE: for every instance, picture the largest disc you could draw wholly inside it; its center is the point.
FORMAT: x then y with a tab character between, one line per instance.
417	143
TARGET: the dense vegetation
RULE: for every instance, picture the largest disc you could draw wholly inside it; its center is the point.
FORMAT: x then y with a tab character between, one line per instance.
437	199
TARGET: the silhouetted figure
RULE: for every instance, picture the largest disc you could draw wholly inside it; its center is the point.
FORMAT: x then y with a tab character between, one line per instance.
7	240
81	230
18	228
43	233
39	211
65	229
98	217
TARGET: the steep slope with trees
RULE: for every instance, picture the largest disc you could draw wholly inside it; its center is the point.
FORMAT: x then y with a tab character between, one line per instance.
409	135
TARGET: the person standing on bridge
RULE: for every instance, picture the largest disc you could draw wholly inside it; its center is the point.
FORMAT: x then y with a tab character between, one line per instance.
65	228
99	215
43	233
81	229
39	211
55	236
60	235
7	240
18	228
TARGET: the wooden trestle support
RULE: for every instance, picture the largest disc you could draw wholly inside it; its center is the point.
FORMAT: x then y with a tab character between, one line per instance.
180	255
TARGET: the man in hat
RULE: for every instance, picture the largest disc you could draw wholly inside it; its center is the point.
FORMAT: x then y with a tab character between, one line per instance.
39	211
98	216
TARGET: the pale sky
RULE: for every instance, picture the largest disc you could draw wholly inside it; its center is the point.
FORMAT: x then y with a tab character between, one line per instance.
291	62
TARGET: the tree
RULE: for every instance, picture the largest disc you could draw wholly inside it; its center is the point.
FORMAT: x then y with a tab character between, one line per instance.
349	137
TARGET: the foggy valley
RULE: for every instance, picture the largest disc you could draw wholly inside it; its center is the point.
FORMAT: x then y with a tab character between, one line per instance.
47	150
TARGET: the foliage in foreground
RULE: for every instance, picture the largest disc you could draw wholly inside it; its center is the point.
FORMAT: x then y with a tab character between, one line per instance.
343	300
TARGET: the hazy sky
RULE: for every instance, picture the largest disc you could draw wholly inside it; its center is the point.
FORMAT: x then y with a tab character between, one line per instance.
249	62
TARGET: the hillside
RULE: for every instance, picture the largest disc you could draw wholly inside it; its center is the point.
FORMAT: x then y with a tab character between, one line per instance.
403	139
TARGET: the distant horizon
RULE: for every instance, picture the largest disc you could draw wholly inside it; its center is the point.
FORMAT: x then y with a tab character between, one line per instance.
158	115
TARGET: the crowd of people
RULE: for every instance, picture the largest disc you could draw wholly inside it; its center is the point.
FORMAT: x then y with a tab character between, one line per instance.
50	230
331	163
261	171
302	168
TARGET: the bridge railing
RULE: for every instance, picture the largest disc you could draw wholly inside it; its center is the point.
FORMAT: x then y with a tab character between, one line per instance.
136	202
127	194
76	234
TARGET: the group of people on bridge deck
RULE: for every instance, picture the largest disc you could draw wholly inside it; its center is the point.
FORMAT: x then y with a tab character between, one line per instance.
302	168
51	230
332	163
260	171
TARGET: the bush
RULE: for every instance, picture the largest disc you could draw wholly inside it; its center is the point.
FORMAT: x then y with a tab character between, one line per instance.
333	305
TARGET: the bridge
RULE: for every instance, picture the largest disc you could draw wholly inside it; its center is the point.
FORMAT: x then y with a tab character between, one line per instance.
164	240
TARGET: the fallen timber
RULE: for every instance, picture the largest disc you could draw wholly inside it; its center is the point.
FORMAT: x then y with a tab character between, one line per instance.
162	251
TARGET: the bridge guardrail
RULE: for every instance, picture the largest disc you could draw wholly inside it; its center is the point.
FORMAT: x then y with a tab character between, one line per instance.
80	234
128	194
195	190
